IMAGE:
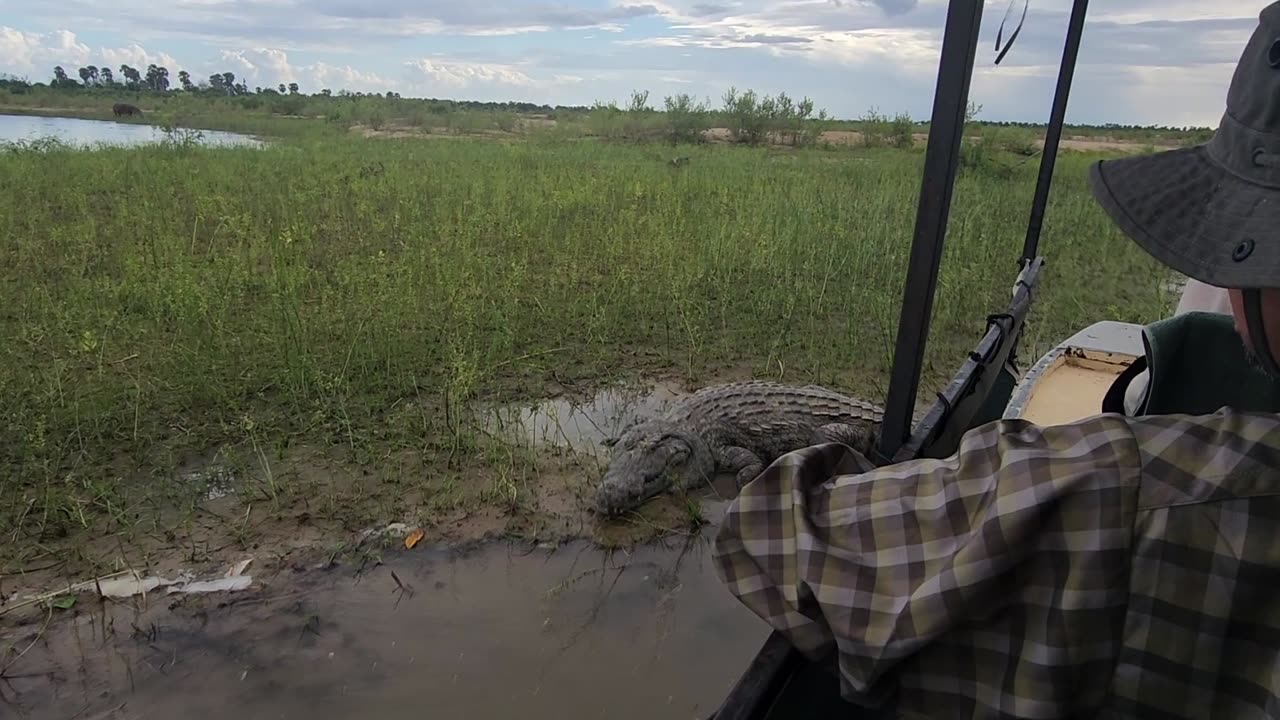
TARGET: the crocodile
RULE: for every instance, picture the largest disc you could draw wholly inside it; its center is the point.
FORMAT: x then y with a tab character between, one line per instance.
736	427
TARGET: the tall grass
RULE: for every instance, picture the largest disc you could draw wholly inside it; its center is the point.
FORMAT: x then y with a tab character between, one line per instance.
313	291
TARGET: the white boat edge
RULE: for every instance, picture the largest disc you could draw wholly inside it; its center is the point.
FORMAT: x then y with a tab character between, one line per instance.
1068	382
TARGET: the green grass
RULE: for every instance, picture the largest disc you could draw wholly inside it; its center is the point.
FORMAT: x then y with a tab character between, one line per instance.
335	291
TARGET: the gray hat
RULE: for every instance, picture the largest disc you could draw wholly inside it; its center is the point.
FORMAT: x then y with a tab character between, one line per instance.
1212	212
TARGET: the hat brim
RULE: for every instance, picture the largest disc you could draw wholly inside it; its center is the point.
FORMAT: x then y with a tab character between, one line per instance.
1193	215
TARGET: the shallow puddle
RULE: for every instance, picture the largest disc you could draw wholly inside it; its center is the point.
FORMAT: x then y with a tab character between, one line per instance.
579	425
492	632
208	475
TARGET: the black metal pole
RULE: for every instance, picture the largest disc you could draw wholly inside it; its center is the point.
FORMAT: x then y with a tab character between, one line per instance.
946	130
1052	136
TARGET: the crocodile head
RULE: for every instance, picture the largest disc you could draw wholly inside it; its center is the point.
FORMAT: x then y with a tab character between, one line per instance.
648	459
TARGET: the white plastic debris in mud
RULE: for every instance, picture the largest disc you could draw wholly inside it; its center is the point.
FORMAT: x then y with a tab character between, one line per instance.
132	584
128	586
225	584
395	529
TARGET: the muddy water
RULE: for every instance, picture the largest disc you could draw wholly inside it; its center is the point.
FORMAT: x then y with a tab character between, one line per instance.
580	425
493	632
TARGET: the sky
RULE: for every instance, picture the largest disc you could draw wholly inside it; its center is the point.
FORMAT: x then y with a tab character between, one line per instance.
1165	62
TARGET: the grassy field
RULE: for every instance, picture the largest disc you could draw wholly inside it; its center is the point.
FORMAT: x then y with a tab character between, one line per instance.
351	294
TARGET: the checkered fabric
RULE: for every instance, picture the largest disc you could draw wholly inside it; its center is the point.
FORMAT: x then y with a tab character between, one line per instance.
1110	567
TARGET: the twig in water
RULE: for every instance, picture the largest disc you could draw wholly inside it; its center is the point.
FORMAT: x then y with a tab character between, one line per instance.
39	634
402	588
29	570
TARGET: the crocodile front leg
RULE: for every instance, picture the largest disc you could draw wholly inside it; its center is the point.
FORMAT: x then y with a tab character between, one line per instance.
742	461
858	437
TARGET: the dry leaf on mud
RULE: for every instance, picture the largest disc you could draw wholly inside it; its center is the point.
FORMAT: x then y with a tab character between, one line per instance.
413	538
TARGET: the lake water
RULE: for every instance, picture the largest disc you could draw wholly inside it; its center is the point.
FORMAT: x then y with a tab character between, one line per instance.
14	128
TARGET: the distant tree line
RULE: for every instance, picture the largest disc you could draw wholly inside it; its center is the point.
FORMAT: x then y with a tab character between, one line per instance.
750	118
157	79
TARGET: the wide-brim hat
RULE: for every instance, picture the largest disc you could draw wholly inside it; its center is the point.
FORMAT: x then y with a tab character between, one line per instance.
1212	212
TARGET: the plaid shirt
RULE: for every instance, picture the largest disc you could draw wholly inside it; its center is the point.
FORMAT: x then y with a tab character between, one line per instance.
1112	566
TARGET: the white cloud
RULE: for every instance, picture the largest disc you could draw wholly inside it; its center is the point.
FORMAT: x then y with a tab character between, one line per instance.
846	54
345	77
899	51
35	54
136	56
23	53
455	74
1137	11
892	34
261	66
1160	95
280	22
269	67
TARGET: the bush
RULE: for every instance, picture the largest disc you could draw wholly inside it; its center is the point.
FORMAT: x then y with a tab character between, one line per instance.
288	104
506	121
746	116
755	119
607	120
879	130
687	118
1019	141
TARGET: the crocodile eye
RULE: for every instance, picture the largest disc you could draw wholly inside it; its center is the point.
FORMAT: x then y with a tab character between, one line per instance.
678	449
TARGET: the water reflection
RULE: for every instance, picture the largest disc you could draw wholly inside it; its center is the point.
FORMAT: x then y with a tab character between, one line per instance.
488	632
579	424
89	133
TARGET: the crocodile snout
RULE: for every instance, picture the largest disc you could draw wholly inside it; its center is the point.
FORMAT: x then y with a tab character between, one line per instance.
614	499
622	491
